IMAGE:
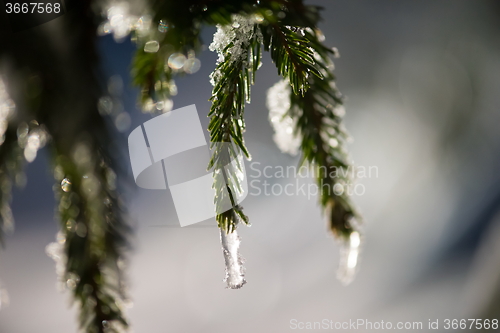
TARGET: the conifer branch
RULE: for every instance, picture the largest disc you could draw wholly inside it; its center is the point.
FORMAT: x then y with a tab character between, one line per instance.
59	104
94	238
316	105
232	80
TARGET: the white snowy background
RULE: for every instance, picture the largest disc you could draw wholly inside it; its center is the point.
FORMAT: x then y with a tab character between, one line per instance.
422	82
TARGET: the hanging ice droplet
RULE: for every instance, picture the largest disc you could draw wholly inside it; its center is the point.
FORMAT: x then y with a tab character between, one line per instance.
176	60
148	105
192	65
320	35
165	105
235	272
258	18
336	53
122	122
162	26
333	142
66	185
151	47
72	281
349	258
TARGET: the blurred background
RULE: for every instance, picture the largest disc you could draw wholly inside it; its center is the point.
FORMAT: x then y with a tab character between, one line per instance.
422	82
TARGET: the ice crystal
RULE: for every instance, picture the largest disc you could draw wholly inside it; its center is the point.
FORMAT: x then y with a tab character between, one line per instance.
278	103
237	36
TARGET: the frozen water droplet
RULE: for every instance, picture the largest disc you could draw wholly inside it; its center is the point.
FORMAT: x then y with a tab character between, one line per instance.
143	24
159	105
176	60
104	29
148	105
173	88
22	130
235	272
338	189
122	122
81	229
165	105
258	18
336	53
349	258
72	281
320	35
71	225
66	185
333	142
192	65
236	25
105	105
162	26
339	111
61	239
151	47
71	284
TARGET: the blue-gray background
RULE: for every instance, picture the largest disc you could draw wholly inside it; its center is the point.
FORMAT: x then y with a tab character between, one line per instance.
422	81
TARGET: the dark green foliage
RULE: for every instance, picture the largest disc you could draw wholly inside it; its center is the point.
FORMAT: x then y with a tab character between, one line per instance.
59	91
95	236
227	125
292	55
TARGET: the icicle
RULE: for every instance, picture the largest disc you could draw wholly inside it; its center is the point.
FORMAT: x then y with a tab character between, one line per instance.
235	272
349	258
